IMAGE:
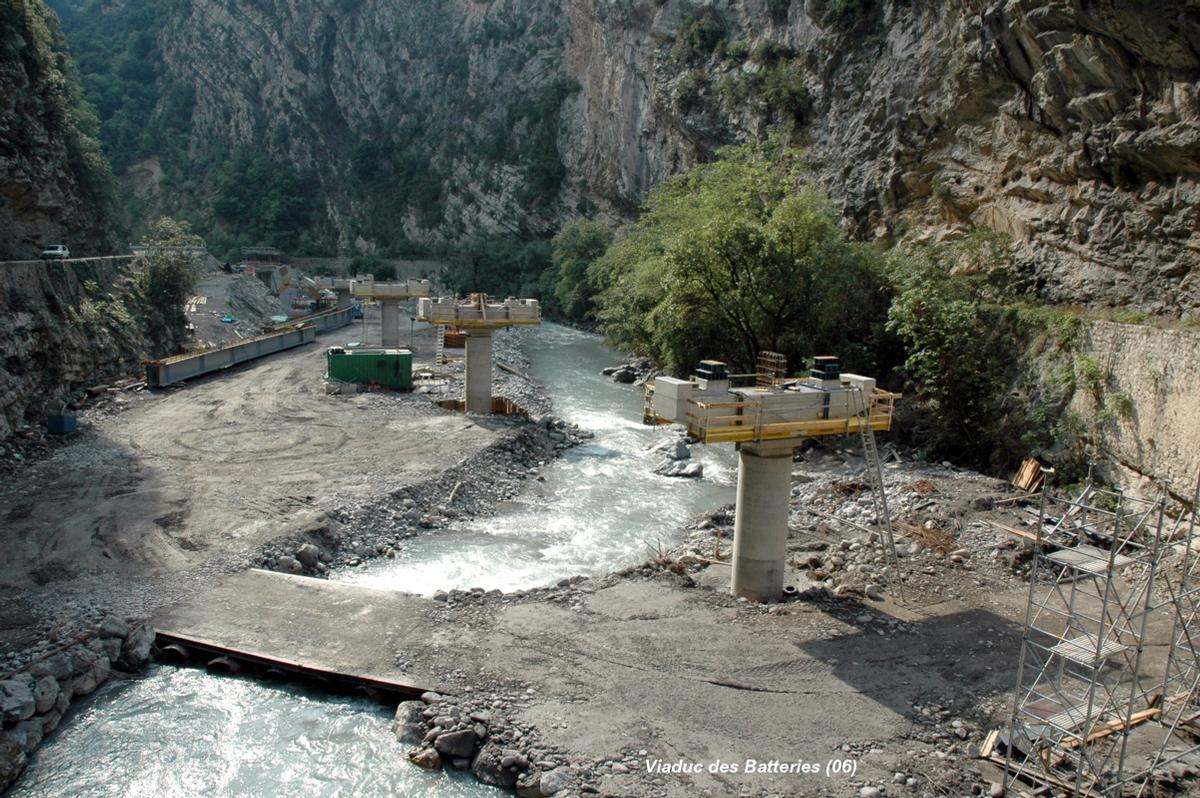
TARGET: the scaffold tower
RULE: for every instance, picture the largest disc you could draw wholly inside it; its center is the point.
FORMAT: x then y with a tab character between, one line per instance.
1092	715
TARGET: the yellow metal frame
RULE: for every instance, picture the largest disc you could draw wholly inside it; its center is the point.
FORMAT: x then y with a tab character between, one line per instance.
375	297
481	323
745	421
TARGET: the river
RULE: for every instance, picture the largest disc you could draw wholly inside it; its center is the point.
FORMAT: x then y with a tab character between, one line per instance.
600	507
184	732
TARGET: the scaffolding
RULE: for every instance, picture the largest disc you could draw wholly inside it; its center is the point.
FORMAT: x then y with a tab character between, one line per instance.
1099	582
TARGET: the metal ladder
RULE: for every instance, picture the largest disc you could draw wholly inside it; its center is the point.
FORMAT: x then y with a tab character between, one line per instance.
439	355
883	516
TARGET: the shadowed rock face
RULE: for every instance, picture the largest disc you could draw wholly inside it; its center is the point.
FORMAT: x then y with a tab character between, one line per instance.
1071	126
51	173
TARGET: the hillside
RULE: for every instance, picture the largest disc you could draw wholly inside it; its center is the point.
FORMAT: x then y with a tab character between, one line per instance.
55	186
1070	126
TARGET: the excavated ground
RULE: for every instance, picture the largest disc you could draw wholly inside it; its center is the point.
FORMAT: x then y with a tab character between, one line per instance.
199	477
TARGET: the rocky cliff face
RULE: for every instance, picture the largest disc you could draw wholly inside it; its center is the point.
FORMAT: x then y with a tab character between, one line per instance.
1069	125
65	329
422	120
53	181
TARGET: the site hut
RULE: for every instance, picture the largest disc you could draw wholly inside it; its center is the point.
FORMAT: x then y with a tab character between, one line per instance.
478	317
767	420
387	368
389	296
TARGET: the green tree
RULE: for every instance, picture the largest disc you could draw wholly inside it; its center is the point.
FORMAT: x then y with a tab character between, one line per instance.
577	245
731	259
960	342
166	274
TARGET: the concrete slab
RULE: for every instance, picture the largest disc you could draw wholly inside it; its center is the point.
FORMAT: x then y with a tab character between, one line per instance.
324	625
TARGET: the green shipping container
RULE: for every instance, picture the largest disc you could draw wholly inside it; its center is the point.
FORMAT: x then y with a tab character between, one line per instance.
390	368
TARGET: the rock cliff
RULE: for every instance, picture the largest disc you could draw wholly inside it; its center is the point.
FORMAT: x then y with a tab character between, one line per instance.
1070	125
54	184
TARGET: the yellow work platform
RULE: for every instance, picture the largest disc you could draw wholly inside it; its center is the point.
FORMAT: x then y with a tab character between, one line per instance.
748	421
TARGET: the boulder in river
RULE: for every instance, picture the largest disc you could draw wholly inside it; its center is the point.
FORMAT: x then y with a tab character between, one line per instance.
425	758
408	726
680	468
456	743
624	375
16	700
489	767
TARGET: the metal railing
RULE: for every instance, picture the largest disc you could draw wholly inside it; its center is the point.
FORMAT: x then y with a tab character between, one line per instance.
751	419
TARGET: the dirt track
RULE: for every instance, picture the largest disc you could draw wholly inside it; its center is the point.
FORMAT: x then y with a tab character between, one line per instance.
217	467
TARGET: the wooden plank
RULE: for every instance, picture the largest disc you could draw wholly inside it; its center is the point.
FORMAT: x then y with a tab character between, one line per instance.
1014	531
989	743
1114	726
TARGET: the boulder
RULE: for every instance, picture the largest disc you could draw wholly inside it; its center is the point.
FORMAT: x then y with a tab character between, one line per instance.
16	700
456	743
625	376
529	785
12	761
111	648
308	555
408	725
135	651
57	665
289	565
113	626
425	758
678	468
681	451
28	734
489	767
45	692
94	676
554	781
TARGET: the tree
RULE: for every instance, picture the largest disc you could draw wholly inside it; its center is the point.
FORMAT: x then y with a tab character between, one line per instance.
959	347
577	245
167	272
732	259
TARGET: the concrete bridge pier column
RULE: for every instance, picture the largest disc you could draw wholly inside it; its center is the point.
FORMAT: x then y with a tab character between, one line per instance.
344	299
391	323
479	371
760	526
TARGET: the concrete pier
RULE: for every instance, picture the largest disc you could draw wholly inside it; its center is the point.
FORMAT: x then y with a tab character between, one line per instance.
761	521
390	323
479	371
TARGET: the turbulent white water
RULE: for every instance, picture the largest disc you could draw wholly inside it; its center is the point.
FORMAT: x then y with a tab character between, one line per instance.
600	508
183	732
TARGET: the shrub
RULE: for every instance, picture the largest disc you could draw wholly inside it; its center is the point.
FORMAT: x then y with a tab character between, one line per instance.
699	37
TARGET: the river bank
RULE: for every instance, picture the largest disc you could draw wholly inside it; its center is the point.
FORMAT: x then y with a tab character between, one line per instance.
572	610
53	595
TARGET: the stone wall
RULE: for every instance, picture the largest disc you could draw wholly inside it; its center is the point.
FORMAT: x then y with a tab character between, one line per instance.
1159	369
34	699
